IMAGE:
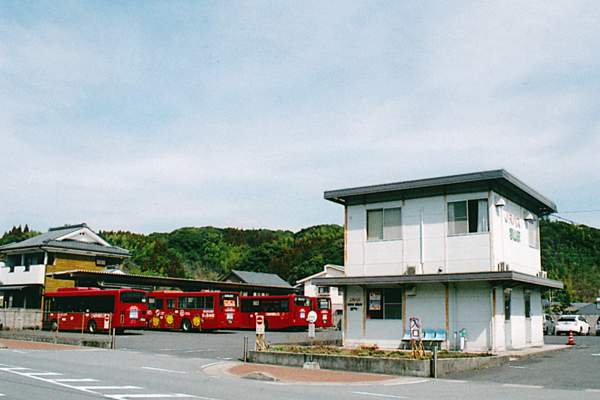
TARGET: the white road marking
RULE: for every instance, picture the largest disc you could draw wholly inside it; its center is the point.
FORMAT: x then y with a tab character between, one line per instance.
44	374
405	383
516	385
516	366
106	387
211	364
380	395
595	355
164	370
93	389
155	395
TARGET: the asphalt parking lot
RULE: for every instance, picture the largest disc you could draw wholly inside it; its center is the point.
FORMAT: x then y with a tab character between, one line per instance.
573	368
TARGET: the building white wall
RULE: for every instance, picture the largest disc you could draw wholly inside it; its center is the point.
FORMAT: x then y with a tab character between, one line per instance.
472	307
35	275
426	245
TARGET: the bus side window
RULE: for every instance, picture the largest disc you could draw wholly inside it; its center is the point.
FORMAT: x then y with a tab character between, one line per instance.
209	303
170	303
159	304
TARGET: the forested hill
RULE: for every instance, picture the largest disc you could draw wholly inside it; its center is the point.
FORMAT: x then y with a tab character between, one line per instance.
570	253
209	253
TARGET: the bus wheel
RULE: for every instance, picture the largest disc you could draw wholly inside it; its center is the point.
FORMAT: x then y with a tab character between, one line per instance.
186	325
92	327
54	325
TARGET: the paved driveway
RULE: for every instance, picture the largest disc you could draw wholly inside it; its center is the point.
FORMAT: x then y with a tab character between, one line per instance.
574	368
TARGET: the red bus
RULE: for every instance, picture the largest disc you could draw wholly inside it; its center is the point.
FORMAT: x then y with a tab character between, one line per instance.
206	311
322	306
94	309
280	312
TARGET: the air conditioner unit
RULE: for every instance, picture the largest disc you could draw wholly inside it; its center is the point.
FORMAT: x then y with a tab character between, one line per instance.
411	270
542	274
502	266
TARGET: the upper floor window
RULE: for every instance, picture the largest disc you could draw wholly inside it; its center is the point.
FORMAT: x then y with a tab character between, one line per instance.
468	216
321	290
532	229
384	224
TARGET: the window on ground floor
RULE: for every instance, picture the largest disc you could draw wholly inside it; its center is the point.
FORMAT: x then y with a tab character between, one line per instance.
507	306
384	303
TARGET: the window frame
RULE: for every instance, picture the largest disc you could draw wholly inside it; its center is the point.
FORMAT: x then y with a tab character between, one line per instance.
394	228
533	231
469	219
381	305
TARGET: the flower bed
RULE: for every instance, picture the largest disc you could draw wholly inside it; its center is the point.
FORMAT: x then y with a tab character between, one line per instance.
371	351
370	359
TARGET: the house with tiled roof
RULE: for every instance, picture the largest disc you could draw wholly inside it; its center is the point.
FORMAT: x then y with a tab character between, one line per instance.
23	277
255	278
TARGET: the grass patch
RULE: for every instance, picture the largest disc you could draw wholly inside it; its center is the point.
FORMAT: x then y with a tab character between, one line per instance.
369	351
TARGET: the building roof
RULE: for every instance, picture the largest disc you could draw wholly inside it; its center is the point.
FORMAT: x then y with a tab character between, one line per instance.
69	238
495	278
257	278
499	181
108	278
340	268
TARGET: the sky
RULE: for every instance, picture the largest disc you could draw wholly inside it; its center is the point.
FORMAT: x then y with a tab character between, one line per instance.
149	116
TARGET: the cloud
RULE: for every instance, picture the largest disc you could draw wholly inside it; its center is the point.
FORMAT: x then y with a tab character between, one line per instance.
155	117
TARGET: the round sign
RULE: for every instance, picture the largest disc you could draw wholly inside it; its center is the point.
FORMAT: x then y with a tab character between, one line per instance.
312	317
260	319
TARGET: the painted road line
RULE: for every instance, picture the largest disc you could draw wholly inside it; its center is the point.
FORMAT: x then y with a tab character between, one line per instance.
76	380
164	370
94	389
85	388
405	383
155	396
44	374
516	385
517	366
211	364
380	395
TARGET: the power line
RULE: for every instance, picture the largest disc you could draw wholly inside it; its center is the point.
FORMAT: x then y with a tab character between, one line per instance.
577	212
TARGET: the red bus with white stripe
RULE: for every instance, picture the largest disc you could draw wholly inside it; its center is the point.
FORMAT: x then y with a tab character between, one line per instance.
280	312
94	309
205	311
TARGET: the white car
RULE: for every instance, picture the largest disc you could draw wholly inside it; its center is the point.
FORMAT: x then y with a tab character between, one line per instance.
572	323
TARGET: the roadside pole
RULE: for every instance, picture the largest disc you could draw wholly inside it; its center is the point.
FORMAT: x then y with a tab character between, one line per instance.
311	319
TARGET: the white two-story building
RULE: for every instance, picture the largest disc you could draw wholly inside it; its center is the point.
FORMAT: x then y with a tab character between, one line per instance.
459	252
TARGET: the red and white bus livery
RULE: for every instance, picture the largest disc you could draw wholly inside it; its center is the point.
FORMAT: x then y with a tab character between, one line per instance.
94	309
280	312
322	306
206	311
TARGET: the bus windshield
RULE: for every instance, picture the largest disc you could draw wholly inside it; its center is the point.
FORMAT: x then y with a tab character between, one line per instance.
301	301
228	300
323	304
133	297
